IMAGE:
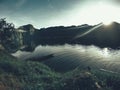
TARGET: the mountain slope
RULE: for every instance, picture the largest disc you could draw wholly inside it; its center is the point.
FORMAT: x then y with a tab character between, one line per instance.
58	35
100	35
103	36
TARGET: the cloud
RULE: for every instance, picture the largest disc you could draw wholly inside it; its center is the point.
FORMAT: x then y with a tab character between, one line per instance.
118	1
20	3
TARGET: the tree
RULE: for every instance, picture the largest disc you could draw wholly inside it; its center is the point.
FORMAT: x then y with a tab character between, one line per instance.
8	35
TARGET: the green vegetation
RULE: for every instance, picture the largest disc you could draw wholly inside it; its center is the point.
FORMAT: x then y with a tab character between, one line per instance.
25	75
91	80
8	36
29	75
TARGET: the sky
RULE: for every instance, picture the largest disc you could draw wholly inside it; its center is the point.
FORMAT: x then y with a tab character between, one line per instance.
46	13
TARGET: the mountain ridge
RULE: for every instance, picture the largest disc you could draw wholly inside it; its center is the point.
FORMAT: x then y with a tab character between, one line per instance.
103	36
99	35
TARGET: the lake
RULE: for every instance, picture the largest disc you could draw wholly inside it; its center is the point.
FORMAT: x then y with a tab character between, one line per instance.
67	57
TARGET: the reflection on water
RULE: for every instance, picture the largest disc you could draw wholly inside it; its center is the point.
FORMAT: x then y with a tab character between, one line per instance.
68	57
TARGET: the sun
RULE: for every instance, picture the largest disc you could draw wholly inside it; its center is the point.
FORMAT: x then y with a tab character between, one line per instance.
96	13
105	52
107	22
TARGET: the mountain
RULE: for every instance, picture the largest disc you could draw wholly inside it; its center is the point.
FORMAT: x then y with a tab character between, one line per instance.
30	37
58	35
100	35
103	36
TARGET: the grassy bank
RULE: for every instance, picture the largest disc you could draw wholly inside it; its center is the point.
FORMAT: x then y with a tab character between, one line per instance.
29	75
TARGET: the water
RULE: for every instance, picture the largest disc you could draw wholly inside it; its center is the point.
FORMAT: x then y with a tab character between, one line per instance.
68	57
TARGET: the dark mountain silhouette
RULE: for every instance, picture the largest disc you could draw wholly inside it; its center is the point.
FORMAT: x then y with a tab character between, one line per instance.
58	35
100	35
103	36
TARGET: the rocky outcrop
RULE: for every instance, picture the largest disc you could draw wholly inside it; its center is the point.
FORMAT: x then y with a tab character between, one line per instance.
25	34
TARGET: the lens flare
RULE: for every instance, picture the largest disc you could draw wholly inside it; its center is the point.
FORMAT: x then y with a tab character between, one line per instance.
106	52
107	22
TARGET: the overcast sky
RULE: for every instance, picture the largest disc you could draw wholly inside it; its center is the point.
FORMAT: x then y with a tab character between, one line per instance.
45	13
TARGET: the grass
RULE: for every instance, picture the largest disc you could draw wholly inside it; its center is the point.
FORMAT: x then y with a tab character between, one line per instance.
25	75
29	75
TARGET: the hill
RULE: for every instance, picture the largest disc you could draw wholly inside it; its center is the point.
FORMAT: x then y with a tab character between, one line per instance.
103	36
99	35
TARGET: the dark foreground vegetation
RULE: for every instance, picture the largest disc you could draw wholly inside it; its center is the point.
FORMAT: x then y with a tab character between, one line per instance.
29	75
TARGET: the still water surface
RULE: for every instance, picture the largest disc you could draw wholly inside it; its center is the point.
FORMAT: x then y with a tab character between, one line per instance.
68	57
